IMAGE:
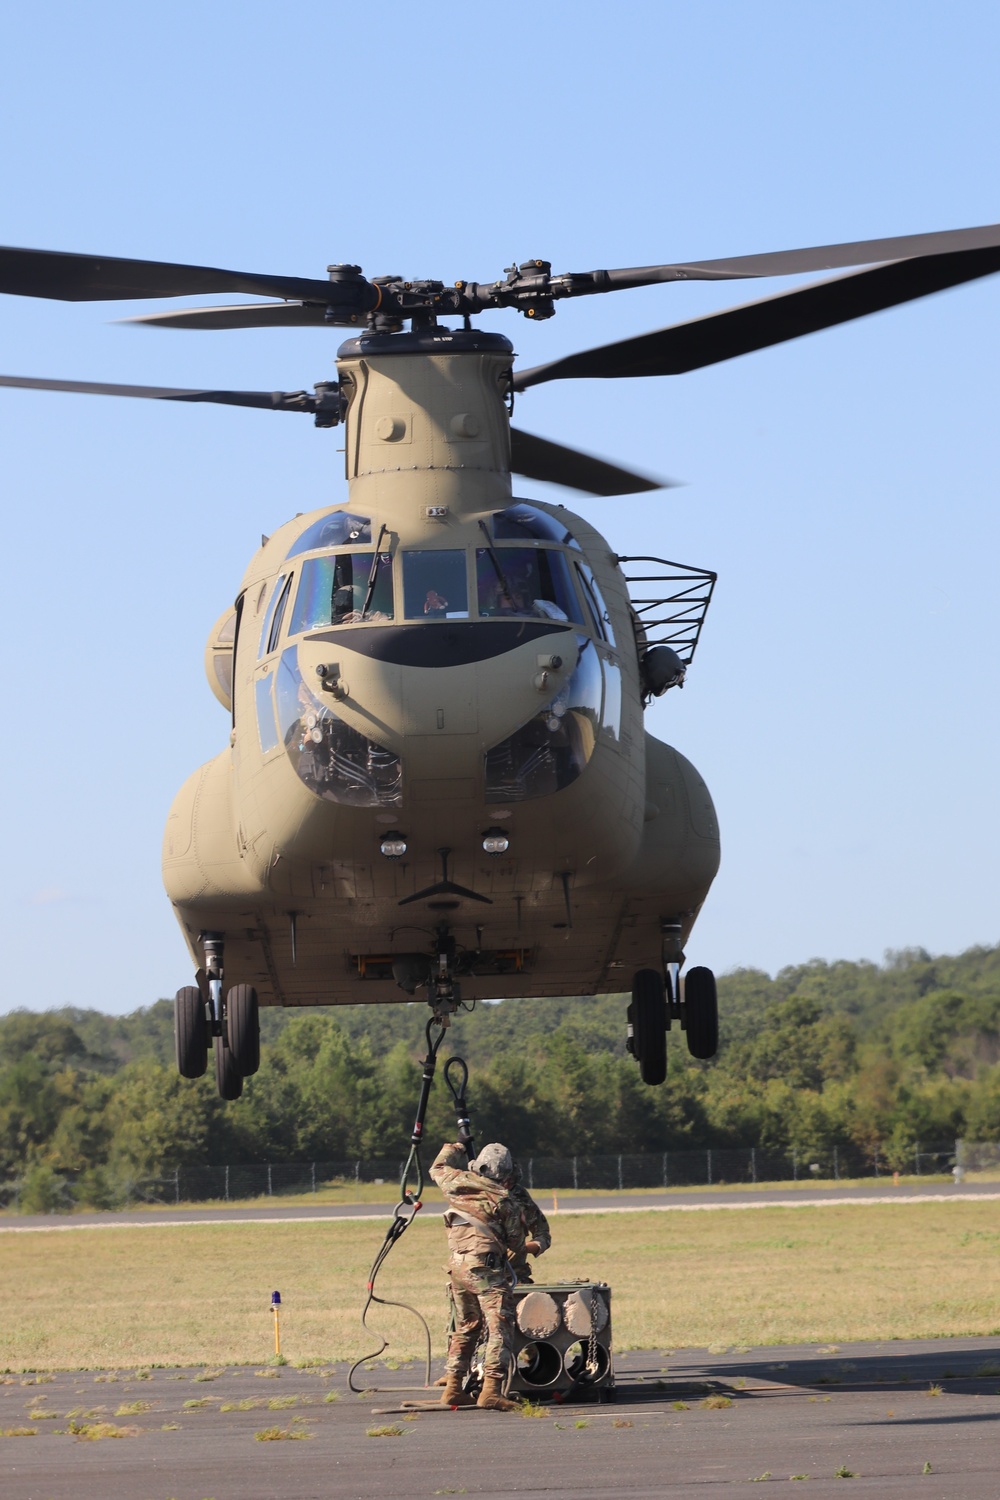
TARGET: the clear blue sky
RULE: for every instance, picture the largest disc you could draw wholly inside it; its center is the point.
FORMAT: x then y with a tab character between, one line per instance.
844	702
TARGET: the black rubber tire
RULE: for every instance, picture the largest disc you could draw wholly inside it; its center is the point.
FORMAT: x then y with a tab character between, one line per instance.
190	1032
701	1007
243	1028
649	1013
227	1076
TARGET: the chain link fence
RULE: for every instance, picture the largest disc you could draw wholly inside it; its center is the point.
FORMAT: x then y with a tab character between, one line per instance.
709	1167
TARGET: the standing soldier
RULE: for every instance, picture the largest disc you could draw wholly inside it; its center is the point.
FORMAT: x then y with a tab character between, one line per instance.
537	1237
484	1229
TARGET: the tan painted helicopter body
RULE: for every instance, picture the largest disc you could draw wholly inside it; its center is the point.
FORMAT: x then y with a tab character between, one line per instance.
438	779
275	844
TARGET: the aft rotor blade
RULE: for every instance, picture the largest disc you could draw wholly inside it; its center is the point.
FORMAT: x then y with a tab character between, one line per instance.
773	320
815	258
101	278
266	400
537	458
245	315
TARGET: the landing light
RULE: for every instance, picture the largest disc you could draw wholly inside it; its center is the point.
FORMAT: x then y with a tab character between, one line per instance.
495	841
393	846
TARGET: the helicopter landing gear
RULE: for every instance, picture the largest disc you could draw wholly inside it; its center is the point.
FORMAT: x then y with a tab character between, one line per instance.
243	1028
228	1079
701	1013
232	1022
190	1032
647	1021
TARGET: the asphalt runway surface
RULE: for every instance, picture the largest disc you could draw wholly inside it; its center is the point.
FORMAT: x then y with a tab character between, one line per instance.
896	1420
879	1191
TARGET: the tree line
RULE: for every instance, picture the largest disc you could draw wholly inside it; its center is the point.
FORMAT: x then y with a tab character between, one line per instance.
872	1058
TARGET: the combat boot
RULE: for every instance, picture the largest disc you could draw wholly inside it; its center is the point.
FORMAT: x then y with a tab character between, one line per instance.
453	1393
491	1396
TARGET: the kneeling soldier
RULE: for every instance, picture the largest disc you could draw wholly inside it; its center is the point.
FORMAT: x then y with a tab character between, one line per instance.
484	1228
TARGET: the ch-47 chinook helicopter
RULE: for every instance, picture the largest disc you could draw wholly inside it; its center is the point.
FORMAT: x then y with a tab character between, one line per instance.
437	778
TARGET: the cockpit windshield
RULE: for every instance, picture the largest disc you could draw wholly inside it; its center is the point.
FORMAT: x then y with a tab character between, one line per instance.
522	522
340	529
435	586
525	581
335	590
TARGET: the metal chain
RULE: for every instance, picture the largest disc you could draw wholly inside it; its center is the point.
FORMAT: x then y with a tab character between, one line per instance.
592	1365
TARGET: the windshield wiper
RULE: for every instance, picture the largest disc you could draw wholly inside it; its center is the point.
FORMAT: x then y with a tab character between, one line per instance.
373	574
497	566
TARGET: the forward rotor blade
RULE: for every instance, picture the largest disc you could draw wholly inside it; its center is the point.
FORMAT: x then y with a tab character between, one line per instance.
246	315
266	400
773	320
537	458
816	258
93	278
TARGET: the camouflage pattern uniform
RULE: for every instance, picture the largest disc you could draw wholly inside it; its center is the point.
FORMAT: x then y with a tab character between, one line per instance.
480	1245
534	1224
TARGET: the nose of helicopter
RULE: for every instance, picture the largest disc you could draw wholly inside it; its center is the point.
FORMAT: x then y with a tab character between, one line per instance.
486	681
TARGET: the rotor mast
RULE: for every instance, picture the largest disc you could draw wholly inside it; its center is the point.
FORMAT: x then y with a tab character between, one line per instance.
427	430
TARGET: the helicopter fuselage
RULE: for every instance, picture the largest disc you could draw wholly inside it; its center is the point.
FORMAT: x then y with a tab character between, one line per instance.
437	724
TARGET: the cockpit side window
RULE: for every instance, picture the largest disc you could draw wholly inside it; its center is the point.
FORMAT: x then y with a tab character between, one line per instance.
265	634
525	581
596	606
236	645
274	633
334	590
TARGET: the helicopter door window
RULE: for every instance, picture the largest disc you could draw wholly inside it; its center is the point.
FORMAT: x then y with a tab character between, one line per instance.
595	604
265	634
525	581
266	727
334	590
611	714
435	585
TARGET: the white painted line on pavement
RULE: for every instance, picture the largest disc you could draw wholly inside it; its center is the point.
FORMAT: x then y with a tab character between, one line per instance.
432	1215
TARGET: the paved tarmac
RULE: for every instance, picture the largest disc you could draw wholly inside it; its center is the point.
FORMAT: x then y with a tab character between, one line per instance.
880	1190
898	1420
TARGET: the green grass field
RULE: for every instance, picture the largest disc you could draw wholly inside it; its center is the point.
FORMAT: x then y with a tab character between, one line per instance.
189	1295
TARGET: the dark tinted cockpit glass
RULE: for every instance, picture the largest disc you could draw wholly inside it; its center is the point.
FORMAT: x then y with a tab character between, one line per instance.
526	523
435	586
525	581
339	530
333	591
553	748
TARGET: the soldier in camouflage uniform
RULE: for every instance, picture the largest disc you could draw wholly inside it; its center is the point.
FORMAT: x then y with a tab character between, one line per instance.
484	1229
537	1239
536	1227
